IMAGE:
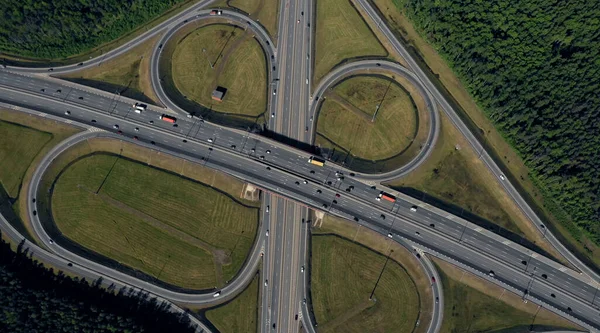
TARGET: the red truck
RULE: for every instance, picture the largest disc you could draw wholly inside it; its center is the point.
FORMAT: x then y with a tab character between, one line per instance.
168	119
216	12
385	196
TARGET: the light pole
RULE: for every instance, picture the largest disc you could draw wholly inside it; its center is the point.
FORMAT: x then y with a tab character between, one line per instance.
380	274
209	63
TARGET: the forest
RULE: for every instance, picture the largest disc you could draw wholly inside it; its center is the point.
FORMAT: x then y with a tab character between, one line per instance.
62	28
534	68
37	299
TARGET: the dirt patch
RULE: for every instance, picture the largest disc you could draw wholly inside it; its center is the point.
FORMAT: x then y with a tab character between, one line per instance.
250	192
346	105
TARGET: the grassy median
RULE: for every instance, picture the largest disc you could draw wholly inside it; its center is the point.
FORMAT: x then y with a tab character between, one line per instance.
177	230
225	56
372	118
238	315
472	304
341	34
343	276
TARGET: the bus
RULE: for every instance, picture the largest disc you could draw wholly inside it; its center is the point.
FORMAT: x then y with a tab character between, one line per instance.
385	196
316	161
139	107
168	119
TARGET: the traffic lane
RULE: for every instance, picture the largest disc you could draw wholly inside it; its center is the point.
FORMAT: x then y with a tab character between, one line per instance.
266	216
144	116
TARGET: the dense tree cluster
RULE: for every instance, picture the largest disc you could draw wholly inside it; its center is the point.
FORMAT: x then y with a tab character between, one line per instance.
61	28
35	299
534	67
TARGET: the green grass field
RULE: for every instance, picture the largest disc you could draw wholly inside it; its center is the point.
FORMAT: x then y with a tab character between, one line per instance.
349	109
343	276
341	34
239	65
176	230
239	315
467	309
266	12
18	147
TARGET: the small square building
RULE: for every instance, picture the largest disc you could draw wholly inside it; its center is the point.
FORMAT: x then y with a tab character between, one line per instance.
219	93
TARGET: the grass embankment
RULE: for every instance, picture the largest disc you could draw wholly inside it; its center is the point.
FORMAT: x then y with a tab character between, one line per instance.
266	12
182	232
25	140
444	77
346	272
128	74
345	118
472	304
341	34
458	177
238	315
238	64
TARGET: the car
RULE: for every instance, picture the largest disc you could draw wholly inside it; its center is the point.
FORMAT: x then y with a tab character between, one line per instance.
34	212
319	191
296	317
437	300
135	138
152	142
390	235
545	276
115	126
502	177
552	295
268	168
261	157
272	56
268	151
253	150
413	208
175	125
70	264
232	146
42	90
274	91
302	269
491	273
433	279
311	118
273	67
312	172
266	283
137	129
432	225
417	233
81	97
298	21
273	115
306	81
267	210
151	121
378	64
356	219
120	132
51	241
210	140
305	182
217	294
58	91
93	120
297	183
334	202
382	216
262	254
304	301
324	205
50	69
337	195
267	233
67	112
80	64
306	129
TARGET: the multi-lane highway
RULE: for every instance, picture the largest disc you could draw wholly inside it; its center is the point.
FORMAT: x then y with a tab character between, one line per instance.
443	234
284	170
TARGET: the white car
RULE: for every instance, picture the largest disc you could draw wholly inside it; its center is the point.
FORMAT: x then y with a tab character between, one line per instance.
217	294
413	208
67	112
305	181
210	140
266	283
390	235
302	269
267	233
502	177
267	209
273	115
268	151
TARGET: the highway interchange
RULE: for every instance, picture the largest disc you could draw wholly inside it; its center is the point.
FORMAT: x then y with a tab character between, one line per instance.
245	156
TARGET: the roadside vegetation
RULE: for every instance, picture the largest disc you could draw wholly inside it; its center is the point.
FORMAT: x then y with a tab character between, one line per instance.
128	74
25	140
238	315
61	303
472	304
226	56
343	276
553	87
179	231
265	12
341	34
61	29
455	179
351	107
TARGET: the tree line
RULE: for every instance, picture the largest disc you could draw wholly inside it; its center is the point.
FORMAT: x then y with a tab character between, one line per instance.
534	68
62	28
37	299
